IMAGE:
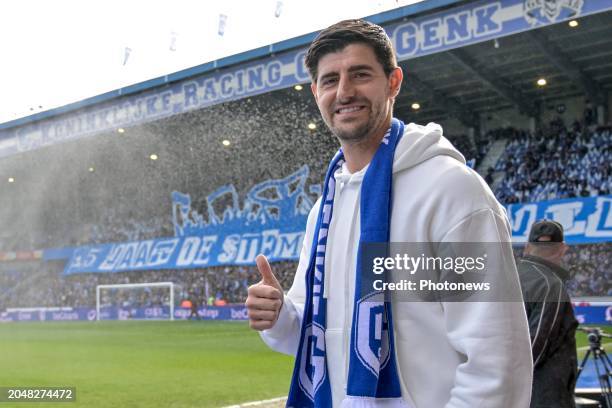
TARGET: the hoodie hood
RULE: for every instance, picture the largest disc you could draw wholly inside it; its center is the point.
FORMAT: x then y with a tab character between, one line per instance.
421	143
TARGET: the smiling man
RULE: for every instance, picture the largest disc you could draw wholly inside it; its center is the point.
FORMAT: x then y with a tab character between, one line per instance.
354	94
389	182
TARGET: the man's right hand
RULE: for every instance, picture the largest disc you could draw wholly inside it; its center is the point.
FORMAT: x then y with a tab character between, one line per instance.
265	298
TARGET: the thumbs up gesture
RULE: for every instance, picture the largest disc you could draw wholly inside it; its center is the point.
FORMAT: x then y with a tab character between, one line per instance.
265	298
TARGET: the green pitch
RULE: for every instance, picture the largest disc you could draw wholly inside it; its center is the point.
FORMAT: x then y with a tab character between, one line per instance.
143	364
147	364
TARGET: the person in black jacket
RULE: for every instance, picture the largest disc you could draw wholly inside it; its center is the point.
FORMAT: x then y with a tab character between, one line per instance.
552	324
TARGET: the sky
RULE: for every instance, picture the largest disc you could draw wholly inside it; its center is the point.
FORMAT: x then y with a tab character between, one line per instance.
62	51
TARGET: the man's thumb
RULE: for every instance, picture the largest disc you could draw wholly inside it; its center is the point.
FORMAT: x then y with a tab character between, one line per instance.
265	270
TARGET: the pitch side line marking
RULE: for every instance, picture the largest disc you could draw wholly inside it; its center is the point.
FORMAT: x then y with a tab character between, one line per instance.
257	403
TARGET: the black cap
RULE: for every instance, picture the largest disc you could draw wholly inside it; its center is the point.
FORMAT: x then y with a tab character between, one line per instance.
546	228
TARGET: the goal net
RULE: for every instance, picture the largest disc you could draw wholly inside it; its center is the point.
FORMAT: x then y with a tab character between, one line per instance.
135	301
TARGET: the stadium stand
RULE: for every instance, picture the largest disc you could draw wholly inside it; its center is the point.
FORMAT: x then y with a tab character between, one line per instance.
591	271
546	165
106	189
554	162
48	287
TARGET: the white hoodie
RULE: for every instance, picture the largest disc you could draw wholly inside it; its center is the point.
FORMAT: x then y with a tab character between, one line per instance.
459	354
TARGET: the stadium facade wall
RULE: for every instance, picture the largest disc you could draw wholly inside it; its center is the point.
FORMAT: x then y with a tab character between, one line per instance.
574	110
609	108
272	68
452	126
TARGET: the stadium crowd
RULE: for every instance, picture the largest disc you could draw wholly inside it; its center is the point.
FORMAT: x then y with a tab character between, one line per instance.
591	267
46	286
554	162
477	147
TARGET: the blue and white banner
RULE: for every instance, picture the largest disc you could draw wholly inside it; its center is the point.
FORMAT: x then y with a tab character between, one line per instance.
413	37
271	221
275	228
596	313
585	220
230	312
188	252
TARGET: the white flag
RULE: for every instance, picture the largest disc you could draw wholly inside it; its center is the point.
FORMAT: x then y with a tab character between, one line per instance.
126	55
279	9
173	37
222	22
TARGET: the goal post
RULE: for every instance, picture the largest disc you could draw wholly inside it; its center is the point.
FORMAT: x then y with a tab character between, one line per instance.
128	286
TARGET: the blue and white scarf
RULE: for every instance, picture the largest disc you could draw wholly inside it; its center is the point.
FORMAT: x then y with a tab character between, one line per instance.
372	379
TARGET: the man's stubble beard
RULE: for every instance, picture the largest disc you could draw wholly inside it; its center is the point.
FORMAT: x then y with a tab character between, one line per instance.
359	134
353	135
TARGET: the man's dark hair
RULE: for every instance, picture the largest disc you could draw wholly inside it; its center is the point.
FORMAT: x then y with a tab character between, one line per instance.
336	37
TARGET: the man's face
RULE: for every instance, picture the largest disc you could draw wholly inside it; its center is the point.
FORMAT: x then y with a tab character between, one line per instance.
353	93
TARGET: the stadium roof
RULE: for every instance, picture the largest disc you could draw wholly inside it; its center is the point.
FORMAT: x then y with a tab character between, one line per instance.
495	71
502	73
272	49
